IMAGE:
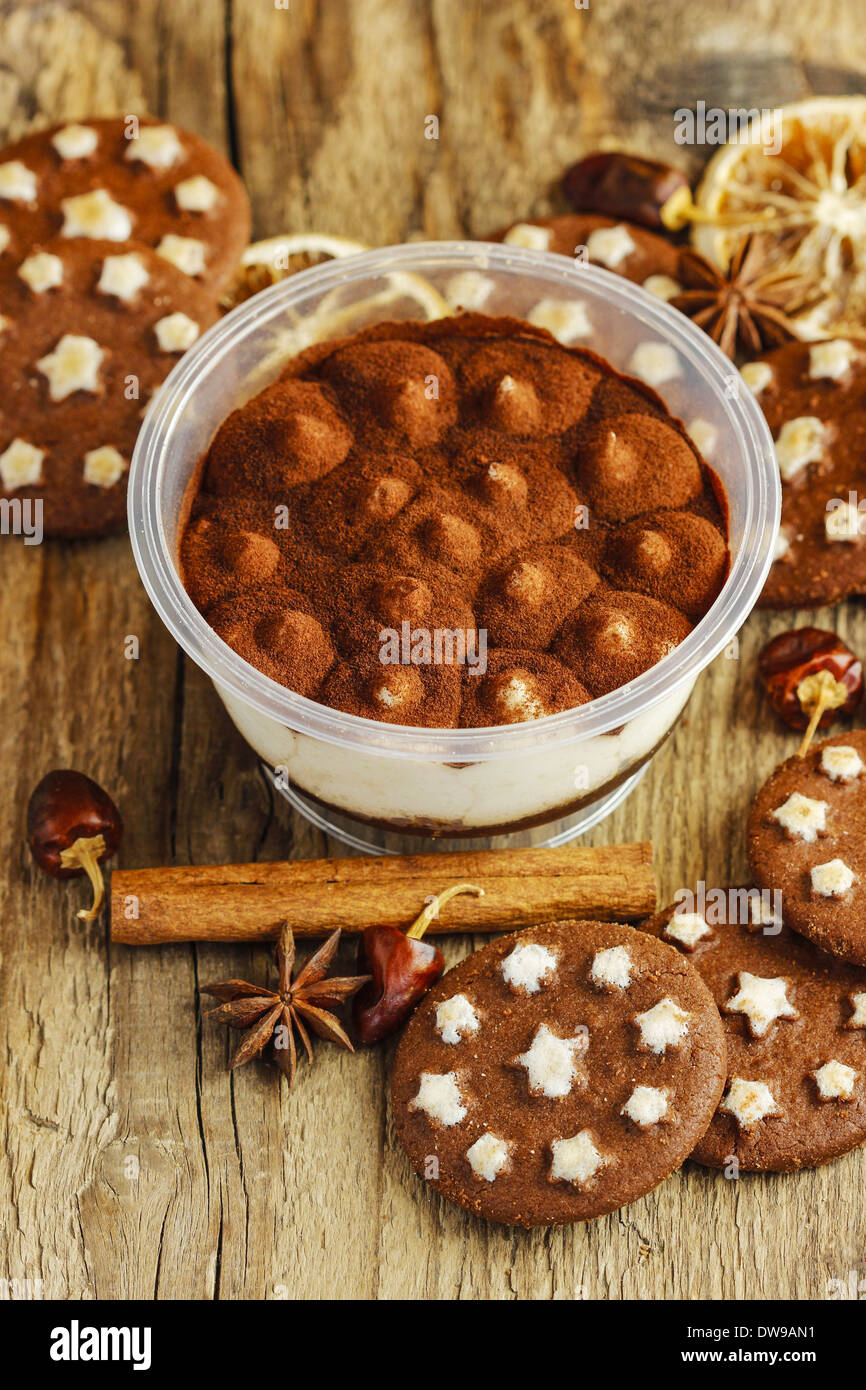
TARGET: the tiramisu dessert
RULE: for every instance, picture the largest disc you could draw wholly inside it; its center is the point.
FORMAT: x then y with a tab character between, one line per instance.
459	524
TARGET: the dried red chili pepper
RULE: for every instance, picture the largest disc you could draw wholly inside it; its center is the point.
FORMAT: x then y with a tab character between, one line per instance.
623	185
810	677
72	827
402	969
645	191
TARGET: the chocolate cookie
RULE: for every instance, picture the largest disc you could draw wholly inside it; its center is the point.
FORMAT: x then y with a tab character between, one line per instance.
627	250
807	838
558	1073
126	179
795	1022
88	330
813	397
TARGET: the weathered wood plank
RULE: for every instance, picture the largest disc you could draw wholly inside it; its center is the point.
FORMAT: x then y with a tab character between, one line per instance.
131	1161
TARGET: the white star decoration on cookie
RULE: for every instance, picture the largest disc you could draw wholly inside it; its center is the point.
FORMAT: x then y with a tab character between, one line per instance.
655	363
833	879
439	1097
96	215
456	1018
802	817
41	272
21	465
757	376
488	1156
611	968
687	928
610	245
858	1018
186	252
72	366
832	359
566	319
552	1062
17	182
156	145
75	141
762	1001
528	967
800	442
576	1160
197	194
841	763
749	1102
526	235
665	1025
122	276
176	332
646	1106
105	466
835	1081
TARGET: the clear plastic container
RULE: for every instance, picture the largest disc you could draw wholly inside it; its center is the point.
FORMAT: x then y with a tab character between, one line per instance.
361	779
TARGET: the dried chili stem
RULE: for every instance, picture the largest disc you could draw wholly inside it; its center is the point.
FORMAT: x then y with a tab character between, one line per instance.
431	911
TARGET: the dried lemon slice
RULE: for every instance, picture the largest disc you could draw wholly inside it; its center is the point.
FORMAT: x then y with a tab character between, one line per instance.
343	310
265	262
811	199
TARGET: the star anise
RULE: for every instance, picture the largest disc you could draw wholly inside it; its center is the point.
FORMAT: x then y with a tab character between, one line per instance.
273	1016
747	310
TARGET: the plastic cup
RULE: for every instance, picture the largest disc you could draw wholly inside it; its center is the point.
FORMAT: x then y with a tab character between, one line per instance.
365	781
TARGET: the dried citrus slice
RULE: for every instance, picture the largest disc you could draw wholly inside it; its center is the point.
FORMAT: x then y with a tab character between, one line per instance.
342	309
810	200
265	262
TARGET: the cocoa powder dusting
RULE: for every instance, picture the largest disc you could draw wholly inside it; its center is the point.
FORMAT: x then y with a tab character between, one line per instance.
514	526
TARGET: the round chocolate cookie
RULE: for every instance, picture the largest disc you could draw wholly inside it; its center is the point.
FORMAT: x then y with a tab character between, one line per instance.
558	1073
814	398
627	250
795	1022
807	839
88	330
126	179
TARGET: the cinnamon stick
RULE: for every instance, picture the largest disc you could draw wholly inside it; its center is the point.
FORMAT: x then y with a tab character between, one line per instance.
246	902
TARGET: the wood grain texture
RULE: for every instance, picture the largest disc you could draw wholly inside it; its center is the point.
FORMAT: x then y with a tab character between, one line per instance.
131	1162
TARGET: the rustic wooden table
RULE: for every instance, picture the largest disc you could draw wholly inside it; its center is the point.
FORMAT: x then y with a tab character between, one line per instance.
132	1163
